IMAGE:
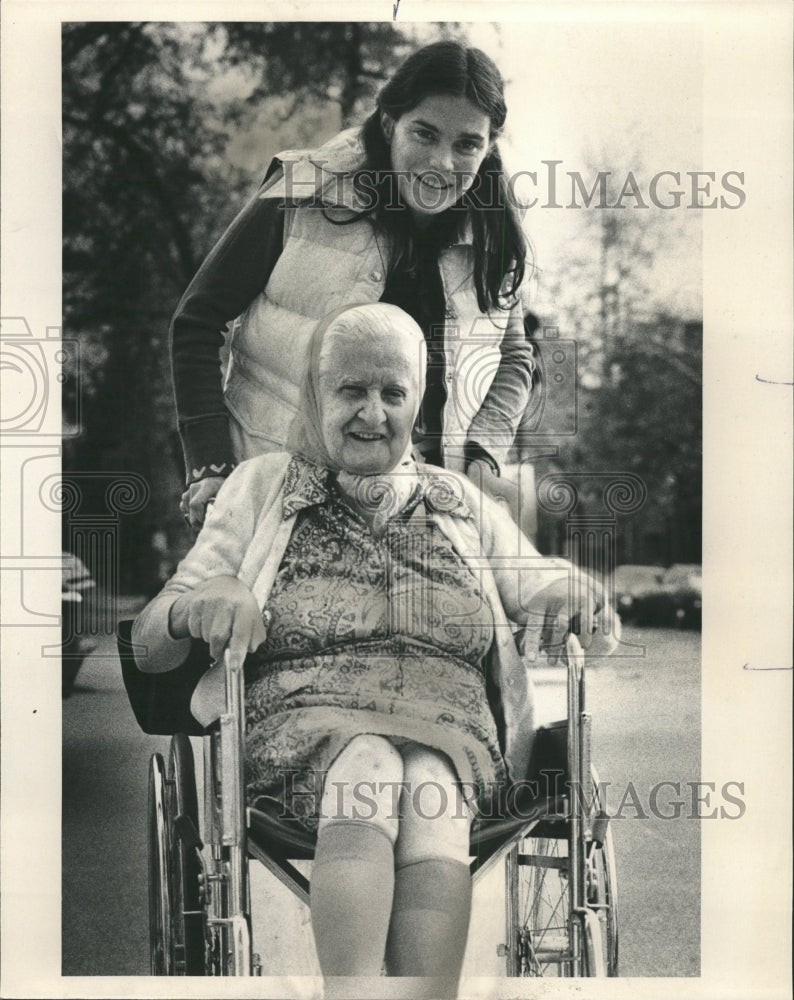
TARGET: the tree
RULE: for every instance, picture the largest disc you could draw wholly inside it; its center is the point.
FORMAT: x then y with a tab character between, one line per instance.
645	418
639	365
312	63
140	148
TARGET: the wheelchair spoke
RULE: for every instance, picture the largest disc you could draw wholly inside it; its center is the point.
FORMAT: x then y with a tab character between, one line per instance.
543	937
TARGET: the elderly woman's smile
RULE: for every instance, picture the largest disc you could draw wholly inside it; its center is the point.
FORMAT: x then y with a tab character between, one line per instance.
368	401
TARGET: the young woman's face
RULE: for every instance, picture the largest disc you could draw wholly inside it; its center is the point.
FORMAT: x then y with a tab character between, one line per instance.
436	151
368	398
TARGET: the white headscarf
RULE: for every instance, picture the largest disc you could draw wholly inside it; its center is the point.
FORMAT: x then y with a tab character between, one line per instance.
382	495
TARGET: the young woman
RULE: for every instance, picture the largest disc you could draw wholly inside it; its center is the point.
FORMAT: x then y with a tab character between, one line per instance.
387	587
411	209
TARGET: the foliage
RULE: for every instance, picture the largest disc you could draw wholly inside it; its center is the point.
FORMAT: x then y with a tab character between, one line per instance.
639	369
349	62
644	416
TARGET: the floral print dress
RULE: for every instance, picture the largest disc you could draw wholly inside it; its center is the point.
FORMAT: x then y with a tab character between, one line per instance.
366	634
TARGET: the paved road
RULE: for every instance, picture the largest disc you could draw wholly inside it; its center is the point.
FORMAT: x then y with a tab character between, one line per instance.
646	712
646	730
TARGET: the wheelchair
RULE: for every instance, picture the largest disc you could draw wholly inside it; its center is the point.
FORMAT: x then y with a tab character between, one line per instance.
553	839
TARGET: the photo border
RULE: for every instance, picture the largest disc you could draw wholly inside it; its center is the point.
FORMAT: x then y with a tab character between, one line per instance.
746	678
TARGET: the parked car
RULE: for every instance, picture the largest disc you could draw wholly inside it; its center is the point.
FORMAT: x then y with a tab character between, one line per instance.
77	586
632	584
684	582
678	600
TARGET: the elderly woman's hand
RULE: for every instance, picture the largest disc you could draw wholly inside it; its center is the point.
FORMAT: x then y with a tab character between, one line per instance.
193	503
560	609
221	611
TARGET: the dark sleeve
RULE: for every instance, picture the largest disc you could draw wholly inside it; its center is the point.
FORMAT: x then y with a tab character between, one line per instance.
235	272
494	426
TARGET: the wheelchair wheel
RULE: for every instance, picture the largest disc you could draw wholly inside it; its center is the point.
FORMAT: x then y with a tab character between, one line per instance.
543	939
539	908
187	915
176	917
602	897
159	875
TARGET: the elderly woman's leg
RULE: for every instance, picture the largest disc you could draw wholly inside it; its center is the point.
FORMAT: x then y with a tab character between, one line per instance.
352	881
432	894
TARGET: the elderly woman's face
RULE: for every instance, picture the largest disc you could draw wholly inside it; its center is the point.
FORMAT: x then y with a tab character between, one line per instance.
368	396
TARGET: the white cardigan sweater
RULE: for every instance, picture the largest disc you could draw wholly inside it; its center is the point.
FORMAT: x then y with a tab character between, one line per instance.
247	534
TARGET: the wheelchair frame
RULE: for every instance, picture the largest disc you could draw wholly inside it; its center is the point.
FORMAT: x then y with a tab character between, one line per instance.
561	912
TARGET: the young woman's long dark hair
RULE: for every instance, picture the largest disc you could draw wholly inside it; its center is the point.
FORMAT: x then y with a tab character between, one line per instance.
500	248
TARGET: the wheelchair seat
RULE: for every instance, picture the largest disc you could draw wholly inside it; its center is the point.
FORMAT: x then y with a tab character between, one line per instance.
282	836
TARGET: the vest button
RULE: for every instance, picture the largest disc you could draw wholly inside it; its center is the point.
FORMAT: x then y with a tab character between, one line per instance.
376	276
451	314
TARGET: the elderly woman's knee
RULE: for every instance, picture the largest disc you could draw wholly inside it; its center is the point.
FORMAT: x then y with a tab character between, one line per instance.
363	784
367	757
435	817
424	764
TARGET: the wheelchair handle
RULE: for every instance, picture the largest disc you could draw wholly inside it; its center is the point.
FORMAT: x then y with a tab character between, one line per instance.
574	654
233	819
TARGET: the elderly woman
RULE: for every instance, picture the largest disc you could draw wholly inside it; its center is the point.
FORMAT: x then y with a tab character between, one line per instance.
388	589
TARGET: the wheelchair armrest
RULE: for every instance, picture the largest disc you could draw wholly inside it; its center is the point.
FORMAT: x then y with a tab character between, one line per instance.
161	702
550	754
